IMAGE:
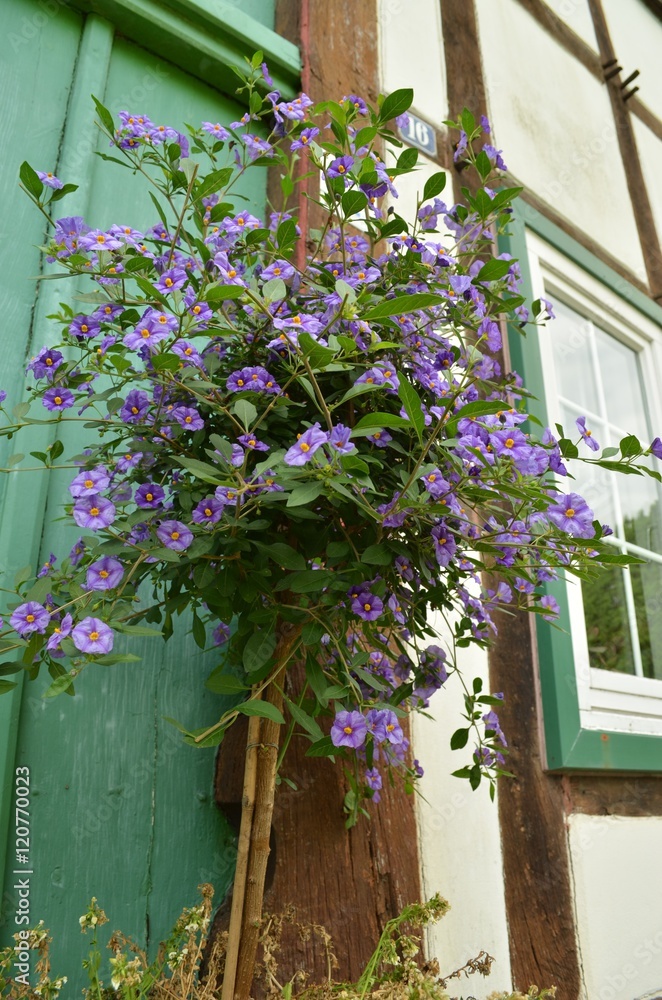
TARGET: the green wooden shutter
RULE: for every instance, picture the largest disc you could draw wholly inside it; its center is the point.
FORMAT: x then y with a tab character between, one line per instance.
120	807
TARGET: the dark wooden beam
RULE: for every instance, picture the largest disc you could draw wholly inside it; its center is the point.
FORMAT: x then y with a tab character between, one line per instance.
643	212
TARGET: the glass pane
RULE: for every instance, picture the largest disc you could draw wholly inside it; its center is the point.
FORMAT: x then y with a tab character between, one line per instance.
647	588
607	629
622	386
640	504
573	362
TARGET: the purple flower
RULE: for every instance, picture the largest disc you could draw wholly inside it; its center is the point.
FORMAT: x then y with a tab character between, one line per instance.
340	166
135	407
50	180
30	617
46	363
278	269
551	607
148	333
171	280
573	515
60	632
251	442
58	399
84	326
104	574
339	439
174	535
220	634
77	552
435	483
48	566
93	636
94	512
89	482
367	606
586	434
373	780
216	129
149	496
304	138
444	544
306	446
392	728
380	438
96	239
348	730
656	448
254	379
208	511
3	396
188	418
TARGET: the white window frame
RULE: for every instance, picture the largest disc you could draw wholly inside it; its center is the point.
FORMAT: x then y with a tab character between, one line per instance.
608	700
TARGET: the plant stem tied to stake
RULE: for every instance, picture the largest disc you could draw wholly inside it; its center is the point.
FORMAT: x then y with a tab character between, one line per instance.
254	833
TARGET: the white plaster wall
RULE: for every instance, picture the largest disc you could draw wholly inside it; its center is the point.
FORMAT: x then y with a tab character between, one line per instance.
650	153
617	872
636	35
459	843
554	122
412	54
577	16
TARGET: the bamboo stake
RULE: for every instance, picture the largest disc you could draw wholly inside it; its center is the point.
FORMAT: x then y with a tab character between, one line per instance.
243	851
265	790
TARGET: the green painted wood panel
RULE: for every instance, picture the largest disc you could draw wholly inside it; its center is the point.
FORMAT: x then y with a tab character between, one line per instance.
121	808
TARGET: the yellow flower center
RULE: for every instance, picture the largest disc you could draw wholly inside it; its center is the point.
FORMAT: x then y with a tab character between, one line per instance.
304	447
348	730
89	483
149	496
366	607
94	636
208	512
174	535
49	361
509	443
168	282
94	511
103	573
58	400
29	618
570	512
145	332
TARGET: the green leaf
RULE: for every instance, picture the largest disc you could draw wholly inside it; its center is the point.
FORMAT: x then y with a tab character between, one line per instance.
30	180
402	304
305	494
376	555
412	404
316	354
630	446
110	659
322	748
305	721
218	293
258	650
353	202
493	270
221	682
143	630
310	634
380	419
22	575
459	739
105	115
245	411
306	581
286	233
63	192
262	708
274	290
434	185
213	182
6	686
408	159
286	556
396	104
166	362
201	470
199	632
59	685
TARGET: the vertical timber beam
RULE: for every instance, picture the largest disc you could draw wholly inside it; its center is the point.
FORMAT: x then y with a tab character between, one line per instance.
643	213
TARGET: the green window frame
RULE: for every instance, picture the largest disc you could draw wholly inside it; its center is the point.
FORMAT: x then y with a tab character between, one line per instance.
569	745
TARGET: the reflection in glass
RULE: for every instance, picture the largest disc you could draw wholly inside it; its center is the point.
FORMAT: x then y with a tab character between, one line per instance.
641	511
607	627
647	588
573	360
621	384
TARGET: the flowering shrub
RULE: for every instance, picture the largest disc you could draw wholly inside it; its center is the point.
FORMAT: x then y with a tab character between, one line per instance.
319	449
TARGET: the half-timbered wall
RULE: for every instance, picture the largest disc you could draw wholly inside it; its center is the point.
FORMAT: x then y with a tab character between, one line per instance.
561	880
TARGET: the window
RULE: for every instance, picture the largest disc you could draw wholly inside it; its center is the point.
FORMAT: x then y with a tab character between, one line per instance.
601	675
